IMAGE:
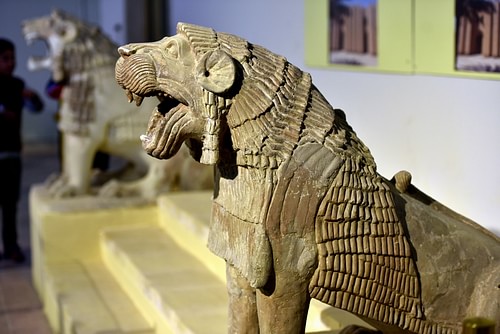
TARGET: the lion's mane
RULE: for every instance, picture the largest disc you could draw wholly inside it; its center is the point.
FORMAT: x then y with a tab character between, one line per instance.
81	62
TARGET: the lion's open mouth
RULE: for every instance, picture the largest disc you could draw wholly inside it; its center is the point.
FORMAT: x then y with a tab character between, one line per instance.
164	133
171	122
167	102
38	61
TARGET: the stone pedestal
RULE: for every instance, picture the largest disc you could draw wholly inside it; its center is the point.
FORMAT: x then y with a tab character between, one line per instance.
131	267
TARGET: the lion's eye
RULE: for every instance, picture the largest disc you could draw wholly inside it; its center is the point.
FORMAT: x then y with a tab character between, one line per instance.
172	49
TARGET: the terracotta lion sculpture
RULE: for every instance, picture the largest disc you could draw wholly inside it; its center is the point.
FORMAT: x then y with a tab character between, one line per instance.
299	210
94	116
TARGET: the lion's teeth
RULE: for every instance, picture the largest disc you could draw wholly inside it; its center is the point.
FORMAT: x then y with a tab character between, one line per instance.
138	100
145	139
130	96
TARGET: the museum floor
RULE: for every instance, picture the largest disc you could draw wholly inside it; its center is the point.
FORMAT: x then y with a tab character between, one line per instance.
20	308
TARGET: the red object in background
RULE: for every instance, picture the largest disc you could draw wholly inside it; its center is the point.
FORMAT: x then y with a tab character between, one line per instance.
53	89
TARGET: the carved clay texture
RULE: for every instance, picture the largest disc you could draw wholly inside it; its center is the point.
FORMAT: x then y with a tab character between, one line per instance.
365	261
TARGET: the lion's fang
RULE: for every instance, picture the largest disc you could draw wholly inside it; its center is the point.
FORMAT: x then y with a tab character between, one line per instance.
145	139
138	100
130	97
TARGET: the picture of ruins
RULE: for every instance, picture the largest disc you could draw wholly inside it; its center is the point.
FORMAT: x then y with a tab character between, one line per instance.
353	32
478	35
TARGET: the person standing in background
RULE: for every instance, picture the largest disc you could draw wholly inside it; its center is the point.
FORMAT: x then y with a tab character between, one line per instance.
14	96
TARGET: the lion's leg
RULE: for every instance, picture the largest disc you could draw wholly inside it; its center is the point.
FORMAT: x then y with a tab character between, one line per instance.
283	309
283	302
242	304
78	153
151	182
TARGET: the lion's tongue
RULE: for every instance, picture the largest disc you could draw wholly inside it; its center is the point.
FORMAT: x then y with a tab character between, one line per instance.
168	105
152	130
39	62
157	124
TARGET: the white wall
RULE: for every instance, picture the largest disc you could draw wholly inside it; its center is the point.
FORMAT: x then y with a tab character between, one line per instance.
444	130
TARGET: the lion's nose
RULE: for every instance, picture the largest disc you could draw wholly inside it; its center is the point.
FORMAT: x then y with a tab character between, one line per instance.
126	51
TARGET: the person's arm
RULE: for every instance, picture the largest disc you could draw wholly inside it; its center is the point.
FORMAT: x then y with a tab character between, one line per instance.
32	101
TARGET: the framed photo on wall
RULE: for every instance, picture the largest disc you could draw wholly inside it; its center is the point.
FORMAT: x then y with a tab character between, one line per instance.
364	35
477	36
457	37
445	37
352	32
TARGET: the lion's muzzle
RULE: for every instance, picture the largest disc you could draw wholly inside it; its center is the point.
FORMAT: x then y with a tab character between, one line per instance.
137	74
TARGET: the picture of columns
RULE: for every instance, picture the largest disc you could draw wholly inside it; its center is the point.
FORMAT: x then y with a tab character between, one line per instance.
353	32
478	35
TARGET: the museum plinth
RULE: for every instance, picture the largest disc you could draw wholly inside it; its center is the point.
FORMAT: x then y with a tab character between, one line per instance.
129	266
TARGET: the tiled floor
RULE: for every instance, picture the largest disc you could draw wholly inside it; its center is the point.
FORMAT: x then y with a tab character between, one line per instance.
20	309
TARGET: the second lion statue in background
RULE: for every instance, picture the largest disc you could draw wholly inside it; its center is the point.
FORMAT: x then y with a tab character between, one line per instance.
94	116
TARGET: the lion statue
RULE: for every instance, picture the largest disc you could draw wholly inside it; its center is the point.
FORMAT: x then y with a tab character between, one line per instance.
299	210
92	117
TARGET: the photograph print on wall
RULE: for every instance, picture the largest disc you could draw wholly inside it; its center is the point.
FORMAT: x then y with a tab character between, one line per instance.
477	35
353	32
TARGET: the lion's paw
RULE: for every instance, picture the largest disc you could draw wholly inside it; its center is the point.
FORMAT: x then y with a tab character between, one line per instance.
63	191
111	188
58	187
117	188
51	179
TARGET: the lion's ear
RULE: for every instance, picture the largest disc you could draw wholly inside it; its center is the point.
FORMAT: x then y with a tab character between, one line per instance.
215	71
62	25
68	31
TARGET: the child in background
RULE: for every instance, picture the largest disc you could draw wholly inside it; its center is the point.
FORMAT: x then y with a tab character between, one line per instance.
14	96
